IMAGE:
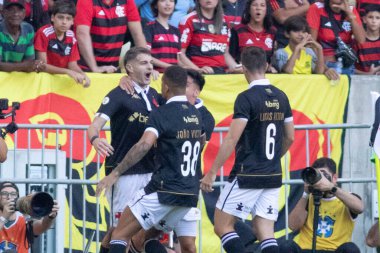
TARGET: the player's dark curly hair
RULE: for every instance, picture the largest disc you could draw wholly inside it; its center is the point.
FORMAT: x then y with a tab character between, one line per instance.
197	77
175	77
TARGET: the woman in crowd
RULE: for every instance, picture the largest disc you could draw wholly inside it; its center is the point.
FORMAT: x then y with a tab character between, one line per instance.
162	38
344	20
205	39
255	30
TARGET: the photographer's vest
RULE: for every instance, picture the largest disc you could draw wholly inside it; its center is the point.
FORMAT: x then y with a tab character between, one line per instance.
335	225
13	235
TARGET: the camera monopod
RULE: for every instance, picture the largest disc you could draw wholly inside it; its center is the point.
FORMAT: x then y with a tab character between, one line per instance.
317	196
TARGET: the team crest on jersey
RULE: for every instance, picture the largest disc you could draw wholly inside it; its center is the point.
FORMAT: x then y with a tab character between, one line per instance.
211	28
346	26
106	100
325	226
269	42
119	11
4	245
224	30
67	50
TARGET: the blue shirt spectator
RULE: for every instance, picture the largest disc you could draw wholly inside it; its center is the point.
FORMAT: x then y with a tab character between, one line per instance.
182	8
145	10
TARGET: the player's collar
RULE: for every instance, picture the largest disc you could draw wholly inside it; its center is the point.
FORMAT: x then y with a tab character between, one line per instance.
177	99
138	88
259	82
198	103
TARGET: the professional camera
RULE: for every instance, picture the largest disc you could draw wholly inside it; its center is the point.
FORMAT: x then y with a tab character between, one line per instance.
346	53
311	176
11	127
37	204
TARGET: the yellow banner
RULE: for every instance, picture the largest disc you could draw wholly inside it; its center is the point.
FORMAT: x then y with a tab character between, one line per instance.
48	99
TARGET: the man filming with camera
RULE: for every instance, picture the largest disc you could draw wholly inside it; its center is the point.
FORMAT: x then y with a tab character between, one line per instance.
16	233
337	208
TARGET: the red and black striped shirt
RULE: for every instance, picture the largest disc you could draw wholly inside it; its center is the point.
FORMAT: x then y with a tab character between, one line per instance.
243	36
108	27
163	43
368	54
233	11
319	20
203	46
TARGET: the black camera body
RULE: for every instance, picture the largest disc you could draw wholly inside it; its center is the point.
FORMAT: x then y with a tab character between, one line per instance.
346	53
37	205
11	127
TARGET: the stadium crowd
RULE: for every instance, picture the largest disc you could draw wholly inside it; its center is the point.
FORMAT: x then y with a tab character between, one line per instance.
328	37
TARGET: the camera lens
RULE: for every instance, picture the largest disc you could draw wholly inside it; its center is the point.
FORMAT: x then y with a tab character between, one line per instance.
310	175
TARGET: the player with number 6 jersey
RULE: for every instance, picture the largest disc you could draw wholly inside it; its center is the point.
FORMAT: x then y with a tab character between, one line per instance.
262	131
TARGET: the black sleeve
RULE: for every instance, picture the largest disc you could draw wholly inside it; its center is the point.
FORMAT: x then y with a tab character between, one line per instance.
234	45
208	122
242	107
111	103
288	109
155	121
375	125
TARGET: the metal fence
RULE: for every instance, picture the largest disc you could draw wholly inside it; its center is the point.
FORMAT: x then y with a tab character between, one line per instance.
38	149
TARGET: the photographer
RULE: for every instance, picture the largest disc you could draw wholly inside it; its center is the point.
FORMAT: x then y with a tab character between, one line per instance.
16	233
337	213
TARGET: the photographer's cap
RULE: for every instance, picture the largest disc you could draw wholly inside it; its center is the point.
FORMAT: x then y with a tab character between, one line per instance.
8	3
6	184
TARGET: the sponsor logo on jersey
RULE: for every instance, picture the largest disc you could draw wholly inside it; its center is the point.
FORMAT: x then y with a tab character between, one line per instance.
209	46
249	42
101	13
191	119
328	24
138	116
273	103
135	96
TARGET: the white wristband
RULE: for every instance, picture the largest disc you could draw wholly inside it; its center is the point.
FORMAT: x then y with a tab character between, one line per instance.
305	195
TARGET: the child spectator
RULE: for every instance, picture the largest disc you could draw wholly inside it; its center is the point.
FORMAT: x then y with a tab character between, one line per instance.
255	30
369	51
16	40
56	44
303	55
162	38
205	39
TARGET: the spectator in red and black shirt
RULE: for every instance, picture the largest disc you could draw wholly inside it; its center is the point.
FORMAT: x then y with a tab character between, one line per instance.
362	5
205	39
255	30
281	10
101	27
233	10
162	38
344	17
369	51
56	44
